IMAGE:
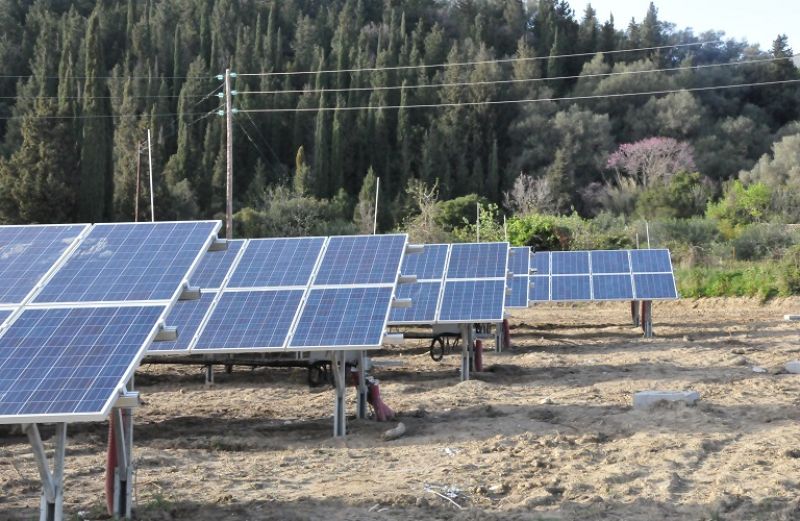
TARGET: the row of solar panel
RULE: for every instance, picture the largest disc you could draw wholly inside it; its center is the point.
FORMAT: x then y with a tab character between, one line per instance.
458	283
296	293
601	261
60	361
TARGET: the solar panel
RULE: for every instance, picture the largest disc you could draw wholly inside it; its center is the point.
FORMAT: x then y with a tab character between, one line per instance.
352	317
4	314
651	261
569	262
541	262
467	301
604	275
615	261
653	286
519	260
27	253
478	261
187	315
612	287
519	292
571	287
540	292
362	259
250	320
427	265
424	300
129	262
277	263
214	266
70	362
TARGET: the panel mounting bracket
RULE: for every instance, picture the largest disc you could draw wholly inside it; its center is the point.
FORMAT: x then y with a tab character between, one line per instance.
406	279
166	334
218	245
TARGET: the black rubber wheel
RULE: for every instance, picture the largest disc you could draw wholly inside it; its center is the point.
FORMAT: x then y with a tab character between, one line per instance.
318	374
438	345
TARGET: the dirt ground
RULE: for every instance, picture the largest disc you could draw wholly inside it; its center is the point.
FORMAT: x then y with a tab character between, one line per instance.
546	432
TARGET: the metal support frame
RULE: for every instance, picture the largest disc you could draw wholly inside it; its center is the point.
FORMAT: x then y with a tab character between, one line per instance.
122	422
339	368
52	503
362	390
647	318
209	375
467	357
635	312
499	338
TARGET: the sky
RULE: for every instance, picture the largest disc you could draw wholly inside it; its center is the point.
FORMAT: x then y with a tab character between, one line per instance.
756	21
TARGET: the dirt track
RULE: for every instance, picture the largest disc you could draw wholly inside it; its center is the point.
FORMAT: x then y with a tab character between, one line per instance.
547	432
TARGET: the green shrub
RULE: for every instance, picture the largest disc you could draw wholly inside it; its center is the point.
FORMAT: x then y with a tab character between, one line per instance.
762	241
789	270
747	280
684	196
534	230
740	206
456	212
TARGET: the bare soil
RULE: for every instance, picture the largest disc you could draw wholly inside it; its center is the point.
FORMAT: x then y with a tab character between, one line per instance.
547	431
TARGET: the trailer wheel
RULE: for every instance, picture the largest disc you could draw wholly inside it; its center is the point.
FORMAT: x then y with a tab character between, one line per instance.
438	345
318	374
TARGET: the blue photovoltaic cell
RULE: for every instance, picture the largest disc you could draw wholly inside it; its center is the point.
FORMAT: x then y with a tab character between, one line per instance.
363	259
250	320
612	287
519	292
427	265
66	361
655	286
570	287
4	314
424	297
473	301
27	253
215	265
277	262
541	262
186	316
540	291
478	261
134	261
651	261
518	260
346	317
610	262
569	262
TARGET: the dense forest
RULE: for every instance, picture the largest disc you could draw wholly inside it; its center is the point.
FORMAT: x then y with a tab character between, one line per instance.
83	80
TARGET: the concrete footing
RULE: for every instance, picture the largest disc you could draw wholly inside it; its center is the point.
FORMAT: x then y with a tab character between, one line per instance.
647	399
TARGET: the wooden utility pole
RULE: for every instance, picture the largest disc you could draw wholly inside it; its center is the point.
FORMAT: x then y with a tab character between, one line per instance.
138	181
229	156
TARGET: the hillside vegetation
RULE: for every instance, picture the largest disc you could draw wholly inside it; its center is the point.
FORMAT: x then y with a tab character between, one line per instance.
533	110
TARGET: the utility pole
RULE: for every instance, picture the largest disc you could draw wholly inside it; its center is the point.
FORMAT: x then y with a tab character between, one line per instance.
377	191
138	181
229	157
150	165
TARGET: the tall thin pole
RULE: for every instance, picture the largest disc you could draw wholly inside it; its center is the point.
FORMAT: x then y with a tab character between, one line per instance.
505	228
478	223
647	229
150	165
138	181
229	156
377	191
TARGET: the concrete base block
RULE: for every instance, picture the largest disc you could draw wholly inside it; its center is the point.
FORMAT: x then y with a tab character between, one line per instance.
646	399
791	318
793	367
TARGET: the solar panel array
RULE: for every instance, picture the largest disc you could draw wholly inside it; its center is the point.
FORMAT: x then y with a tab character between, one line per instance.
459	283
603	275
297	294
96	298
519	265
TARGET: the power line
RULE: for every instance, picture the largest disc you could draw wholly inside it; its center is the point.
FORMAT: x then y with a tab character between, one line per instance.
106	116
479	62
514	80
533	100
154	77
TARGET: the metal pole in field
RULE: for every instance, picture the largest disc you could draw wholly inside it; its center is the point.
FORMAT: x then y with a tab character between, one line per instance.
150	165
377	191
229	156
647	230
505	228
138	181
478	222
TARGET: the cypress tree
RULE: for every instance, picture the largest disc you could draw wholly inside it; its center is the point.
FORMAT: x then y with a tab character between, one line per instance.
96	178
320	186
